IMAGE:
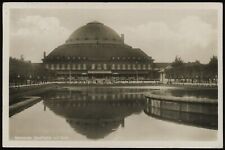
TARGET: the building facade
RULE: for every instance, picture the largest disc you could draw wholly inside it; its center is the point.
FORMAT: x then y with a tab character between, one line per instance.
95	53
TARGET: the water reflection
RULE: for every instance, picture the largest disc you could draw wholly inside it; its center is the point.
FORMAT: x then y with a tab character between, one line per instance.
95	113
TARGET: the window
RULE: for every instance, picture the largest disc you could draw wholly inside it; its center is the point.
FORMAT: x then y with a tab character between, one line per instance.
128	66
63	66
68	66
105	67
46	66
57	67
133	66
99	67
124	67
93	66
52	66
113	66
149	66
84	66
118	66
139	67
74	67
79	67
144	67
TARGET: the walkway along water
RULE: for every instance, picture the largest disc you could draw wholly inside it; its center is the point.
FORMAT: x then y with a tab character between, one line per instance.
20	106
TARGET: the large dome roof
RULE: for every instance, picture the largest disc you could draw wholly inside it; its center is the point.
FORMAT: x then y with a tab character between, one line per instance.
94	32
96	41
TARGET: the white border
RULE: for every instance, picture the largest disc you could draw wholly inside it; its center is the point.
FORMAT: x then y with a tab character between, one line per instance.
197	144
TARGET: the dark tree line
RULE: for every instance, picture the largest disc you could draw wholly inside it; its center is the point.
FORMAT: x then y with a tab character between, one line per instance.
24	72
193	71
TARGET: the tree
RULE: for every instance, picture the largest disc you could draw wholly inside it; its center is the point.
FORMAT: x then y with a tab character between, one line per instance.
20	71
177	68
212	68
178	62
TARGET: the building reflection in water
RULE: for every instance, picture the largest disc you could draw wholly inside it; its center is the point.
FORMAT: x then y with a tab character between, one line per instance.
97	113
195	114
94	114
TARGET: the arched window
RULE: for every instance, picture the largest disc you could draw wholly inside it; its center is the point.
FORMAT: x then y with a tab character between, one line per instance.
113	66
149	66
46	66
139	67
79	67
124	66
84	66
52	66
118	66
129	66
134	67
74	67
99	67
68	66
57	66
144	67
63	67
105	67
93	66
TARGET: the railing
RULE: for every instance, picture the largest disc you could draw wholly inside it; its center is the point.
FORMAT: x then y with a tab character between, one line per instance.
194	84
30	85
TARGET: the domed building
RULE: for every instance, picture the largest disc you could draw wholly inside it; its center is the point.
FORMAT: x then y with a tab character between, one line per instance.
95	53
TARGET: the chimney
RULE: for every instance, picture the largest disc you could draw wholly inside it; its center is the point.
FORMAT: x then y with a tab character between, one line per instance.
44	54
122	37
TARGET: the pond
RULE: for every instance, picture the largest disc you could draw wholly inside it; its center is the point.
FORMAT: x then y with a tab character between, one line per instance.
113	113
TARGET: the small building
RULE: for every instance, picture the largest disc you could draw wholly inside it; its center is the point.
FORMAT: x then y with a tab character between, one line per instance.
160	68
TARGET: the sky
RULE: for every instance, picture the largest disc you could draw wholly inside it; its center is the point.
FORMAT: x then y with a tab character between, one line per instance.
162	32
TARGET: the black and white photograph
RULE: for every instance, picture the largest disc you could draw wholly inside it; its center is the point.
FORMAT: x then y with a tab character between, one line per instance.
112	75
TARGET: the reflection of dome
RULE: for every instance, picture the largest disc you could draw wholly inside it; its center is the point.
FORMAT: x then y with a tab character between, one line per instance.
95	128
93	32
94	119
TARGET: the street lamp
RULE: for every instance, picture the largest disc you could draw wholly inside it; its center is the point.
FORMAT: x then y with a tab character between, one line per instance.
18	78
38	79
30	78
136	72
